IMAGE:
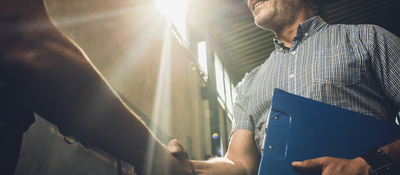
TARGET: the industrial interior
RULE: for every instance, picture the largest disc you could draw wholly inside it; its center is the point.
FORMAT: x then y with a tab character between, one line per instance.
177	72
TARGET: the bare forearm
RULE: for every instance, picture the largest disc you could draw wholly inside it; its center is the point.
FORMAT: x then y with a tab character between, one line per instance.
219	166
242	157
51	75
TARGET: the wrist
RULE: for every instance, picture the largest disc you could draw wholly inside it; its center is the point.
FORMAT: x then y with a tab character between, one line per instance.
363	165
379	162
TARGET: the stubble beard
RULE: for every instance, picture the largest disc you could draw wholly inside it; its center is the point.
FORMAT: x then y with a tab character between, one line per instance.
278	16
266	20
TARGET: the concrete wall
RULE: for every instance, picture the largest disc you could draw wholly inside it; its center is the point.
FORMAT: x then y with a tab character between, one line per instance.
130	44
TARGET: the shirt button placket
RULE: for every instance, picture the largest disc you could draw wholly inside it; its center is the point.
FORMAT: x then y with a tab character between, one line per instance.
291	73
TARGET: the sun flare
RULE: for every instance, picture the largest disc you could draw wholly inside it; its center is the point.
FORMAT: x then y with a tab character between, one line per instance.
175	11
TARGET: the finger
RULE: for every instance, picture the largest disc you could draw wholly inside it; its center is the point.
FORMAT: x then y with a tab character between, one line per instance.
310	164
174	147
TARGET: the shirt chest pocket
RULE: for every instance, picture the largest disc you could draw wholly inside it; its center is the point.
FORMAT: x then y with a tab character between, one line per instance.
338	66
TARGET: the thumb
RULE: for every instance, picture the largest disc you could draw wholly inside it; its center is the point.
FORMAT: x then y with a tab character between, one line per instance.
176	149
309	165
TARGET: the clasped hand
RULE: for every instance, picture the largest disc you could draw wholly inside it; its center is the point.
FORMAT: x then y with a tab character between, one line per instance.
176	149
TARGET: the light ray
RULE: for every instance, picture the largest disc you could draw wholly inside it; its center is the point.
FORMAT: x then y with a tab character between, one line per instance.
161	108
175	11
162	100
81	19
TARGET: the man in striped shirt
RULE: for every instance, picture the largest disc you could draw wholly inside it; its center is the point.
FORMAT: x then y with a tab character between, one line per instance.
355	67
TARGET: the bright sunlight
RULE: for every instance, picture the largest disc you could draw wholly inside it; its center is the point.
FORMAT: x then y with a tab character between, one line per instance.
175	10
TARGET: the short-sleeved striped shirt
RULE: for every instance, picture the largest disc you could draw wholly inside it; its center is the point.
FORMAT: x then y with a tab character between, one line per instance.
356	67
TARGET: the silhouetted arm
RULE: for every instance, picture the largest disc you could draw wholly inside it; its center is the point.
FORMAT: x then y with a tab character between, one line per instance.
53	76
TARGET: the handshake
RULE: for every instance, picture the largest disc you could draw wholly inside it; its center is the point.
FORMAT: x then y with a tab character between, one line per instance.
176	150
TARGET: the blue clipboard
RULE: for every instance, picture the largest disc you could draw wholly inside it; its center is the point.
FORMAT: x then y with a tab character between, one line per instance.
300	129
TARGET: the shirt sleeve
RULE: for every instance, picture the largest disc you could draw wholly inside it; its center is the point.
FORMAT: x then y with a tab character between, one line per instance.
241	116
384	49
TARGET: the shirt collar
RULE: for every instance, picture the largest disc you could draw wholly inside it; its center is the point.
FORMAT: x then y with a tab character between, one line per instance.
310	26
305	29
279	45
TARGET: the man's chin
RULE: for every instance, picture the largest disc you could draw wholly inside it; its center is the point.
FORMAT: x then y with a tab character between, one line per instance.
263	25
